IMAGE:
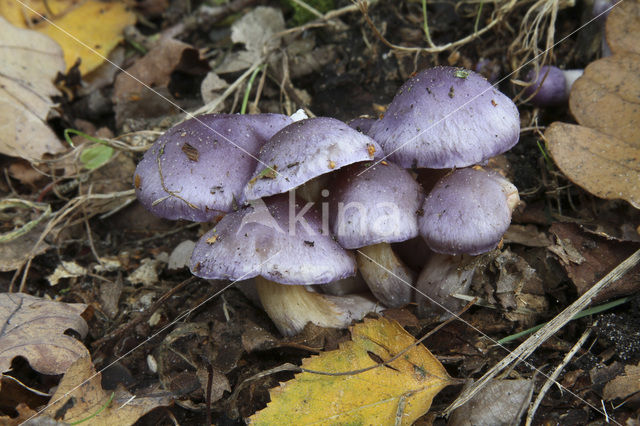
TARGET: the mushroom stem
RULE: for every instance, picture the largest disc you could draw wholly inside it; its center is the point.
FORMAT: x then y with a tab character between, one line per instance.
388	278
442	276
291	307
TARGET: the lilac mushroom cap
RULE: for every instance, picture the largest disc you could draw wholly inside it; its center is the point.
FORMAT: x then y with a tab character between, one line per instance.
205	162
374	204
467	212
304	150
362	124
550	86
447	117
264	239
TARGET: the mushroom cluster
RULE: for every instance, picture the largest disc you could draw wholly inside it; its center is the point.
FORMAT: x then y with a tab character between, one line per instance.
322	260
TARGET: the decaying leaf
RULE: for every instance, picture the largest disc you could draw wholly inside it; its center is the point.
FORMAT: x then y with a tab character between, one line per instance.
624	385
256	31
399	392
29	62
603	165
598	256
66	269
34	329
623	27
607	97
79	25
80	396
502	402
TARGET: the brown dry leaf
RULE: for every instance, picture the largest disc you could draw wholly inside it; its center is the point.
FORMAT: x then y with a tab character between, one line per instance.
397	393
14	253
603	165
82	385
623	27
130	94
29	62
599	256
80	36
502	402
607	97
624	385
34	329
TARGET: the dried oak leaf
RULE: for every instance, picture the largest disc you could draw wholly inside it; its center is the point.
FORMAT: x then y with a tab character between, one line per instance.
603	165
623	27
607	97
399	392
29	62
34	329
80	396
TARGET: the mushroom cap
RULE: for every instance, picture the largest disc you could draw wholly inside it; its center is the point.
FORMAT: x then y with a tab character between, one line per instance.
304	150
205	161
375	204
446	117
362	124
257	240
467	211
552	91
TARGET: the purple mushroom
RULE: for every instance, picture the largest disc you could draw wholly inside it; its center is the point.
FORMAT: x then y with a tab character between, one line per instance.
467	212
550	86
198	168
371	208
285	250
304	150
447	117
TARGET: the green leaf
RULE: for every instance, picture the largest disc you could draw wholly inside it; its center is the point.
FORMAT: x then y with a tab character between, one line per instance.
95	156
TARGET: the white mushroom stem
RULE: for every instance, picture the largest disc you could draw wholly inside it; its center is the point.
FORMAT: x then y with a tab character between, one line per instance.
291	307
388	278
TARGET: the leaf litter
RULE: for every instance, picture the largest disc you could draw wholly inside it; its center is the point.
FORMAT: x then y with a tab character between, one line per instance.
243	346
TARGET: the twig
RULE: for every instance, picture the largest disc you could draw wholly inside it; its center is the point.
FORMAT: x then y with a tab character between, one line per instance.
531	344
142	316
436	49
552	378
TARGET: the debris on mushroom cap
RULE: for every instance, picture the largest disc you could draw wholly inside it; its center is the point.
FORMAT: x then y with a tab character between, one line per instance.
197	169
550	86
306	149
274	239
467	211
374	204
446	117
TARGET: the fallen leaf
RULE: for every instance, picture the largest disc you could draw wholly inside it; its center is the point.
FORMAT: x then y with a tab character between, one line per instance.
29	62
34	329
256	31
502	402
603	165
599	256
623	385
399	392
80	37
130	93
607	97
80	392
66	269
623	27
26	14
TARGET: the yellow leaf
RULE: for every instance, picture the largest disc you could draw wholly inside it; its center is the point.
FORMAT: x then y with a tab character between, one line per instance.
80	398
26	13
399	392
97	24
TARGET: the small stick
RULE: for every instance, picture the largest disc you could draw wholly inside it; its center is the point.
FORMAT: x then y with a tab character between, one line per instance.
532	343
552	378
